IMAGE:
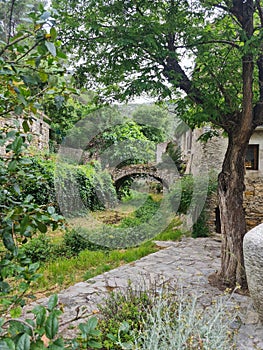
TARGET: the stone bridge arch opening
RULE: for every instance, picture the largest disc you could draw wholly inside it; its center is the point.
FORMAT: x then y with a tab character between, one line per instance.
155	184
163	177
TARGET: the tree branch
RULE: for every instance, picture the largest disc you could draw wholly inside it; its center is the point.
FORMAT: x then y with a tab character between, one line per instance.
14	42
208	42
29	50
10	21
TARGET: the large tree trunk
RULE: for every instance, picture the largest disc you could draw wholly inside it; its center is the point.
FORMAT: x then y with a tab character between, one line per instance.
233	223
231	179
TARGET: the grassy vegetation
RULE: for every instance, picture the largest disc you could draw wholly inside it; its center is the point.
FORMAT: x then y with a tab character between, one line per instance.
62	273
72	258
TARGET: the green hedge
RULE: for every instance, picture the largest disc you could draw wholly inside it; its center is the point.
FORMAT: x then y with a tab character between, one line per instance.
75	187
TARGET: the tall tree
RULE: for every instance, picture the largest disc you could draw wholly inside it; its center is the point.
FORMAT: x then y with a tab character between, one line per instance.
130	47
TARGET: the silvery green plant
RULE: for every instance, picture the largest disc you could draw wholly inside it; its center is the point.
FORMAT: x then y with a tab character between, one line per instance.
189	326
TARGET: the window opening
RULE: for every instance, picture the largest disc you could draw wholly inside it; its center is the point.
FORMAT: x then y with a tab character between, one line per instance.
251	162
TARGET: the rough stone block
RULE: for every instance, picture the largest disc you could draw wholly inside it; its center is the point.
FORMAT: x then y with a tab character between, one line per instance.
253	255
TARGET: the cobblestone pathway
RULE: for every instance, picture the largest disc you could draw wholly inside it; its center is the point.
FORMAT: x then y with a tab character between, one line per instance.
186	263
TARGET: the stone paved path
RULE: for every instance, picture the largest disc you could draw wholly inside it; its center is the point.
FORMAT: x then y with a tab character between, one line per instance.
186	263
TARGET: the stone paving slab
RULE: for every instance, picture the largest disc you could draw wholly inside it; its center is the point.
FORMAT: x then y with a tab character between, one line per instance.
186	263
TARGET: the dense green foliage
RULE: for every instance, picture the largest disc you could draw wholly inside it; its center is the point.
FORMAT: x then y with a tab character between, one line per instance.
21	218
81	186
126	144
31	60
64	111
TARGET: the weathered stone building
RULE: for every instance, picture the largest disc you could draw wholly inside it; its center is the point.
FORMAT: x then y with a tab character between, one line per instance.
202	157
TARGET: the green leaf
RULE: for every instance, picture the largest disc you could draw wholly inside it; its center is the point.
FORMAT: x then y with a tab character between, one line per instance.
4	287
17	144
38	345
58	344
23	342
9	241
40	313
12	165
33	267
61	54
25	126
24	223
52	302
7	344
17	189
16	312
53	33
42	227
92	323
51	326
94	344
42	49
51	48
112	337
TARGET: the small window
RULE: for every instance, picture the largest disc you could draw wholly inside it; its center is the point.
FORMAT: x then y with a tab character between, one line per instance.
251	162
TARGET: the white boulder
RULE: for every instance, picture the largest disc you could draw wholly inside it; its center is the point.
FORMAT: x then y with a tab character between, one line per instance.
253	256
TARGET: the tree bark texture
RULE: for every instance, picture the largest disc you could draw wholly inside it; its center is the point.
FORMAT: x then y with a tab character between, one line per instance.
233	223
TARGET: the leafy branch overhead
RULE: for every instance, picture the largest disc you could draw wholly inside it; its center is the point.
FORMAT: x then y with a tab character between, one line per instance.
31	59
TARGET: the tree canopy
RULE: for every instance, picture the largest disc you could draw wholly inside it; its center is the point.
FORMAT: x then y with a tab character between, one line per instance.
127	48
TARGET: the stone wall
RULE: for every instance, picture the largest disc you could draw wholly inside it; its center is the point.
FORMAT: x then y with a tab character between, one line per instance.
253	205
206	157
253	201
39	129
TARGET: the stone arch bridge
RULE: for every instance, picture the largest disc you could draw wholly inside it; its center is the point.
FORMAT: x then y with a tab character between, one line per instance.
166	176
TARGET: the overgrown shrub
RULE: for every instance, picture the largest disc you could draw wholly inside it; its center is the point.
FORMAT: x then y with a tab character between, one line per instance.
78	187
75	240
142	214
39	248
129	306
178	322
20	219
